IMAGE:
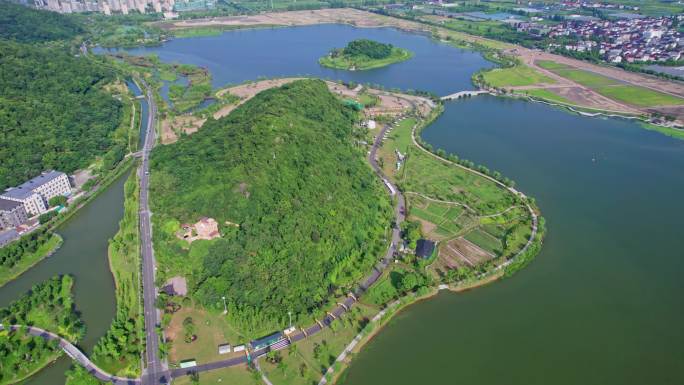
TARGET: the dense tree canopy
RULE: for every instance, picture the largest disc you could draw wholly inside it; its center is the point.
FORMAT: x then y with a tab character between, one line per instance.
25	24
370	48
53	113
283	167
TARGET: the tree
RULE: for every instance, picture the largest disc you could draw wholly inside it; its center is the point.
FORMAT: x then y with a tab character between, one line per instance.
409	282
59	200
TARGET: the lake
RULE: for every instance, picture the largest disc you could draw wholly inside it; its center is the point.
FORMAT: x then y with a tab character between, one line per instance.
601	304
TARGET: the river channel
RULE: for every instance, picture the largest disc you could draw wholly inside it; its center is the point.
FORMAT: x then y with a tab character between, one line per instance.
602	302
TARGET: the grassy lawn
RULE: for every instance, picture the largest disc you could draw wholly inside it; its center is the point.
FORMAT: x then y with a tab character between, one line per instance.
547	95
440	180
27	261
361	63
238	375
398	139
520	75
638	96
305	363
211	329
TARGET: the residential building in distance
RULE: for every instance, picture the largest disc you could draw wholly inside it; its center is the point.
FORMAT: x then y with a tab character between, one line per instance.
12	214
36	193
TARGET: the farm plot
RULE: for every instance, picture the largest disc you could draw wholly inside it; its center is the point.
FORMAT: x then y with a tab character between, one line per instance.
466	253
485	241
440	220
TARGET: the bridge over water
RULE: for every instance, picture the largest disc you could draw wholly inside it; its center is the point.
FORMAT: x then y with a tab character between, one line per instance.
463	94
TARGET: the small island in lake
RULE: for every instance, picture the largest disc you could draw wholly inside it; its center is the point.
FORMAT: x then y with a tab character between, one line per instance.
363	54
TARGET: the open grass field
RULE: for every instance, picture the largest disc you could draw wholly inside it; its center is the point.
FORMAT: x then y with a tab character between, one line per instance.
239	375
398	139
211	329
613	89
639	96
519	75
443	181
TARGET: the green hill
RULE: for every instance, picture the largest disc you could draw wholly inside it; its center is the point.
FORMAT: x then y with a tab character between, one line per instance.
311	214
53	112
25	24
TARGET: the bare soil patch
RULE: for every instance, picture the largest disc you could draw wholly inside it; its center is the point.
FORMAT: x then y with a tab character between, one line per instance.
467	252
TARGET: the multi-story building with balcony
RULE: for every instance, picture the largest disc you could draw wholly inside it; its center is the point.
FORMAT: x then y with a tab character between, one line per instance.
36	193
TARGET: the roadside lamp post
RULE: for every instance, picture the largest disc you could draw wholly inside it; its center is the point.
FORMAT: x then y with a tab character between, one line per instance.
225	309
289	313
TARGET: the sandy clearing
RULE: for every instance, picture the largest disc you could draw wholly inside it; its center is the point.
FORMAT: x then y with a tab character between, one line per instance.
390	104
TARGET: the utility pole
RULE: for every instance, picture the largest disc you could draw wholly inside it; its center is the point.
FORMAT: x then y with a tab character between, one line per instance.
289	313
225	309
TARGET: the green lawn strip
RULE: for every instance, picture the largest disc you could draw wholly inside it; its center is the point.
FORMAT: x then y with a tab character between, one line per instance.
425	215
361	63
118	352
639	96
547	95
551	65
519	75
29	260
485	241
586	78
672	132
237	375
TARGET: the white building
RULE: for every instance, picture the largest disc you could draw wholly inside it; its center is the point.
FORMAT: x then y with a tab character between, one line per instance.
36	193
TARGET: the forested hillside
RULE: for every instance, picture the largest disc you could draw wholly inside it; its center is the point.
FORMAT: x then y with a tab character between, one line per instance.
300	212
53	113
25	24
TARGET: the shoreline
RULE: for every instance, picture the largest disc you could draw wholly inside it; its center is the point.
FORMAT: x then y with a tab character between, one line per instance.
33	262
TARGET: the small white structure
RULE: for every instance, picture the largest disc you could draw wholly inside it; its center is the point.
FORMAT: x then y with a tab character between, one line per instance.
371	124
224	349
290	330
239	348
188	364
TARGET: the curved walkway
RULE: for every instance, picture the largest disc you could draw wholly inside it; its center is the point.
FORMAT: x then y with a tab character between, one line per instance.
78	356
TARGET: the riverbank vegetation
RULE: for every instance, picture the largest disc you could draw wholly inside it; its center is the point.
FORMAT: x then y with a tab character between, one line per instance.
311	216
49	306
118	352
19	256
363	54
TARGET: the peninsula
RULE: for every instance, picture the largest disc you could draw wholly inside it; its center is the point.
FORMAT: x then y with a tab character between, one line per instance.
364	54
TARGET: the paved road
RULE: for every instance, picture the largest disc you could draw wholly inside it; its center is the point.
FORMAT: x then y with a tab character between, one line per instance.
155	372
76	355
